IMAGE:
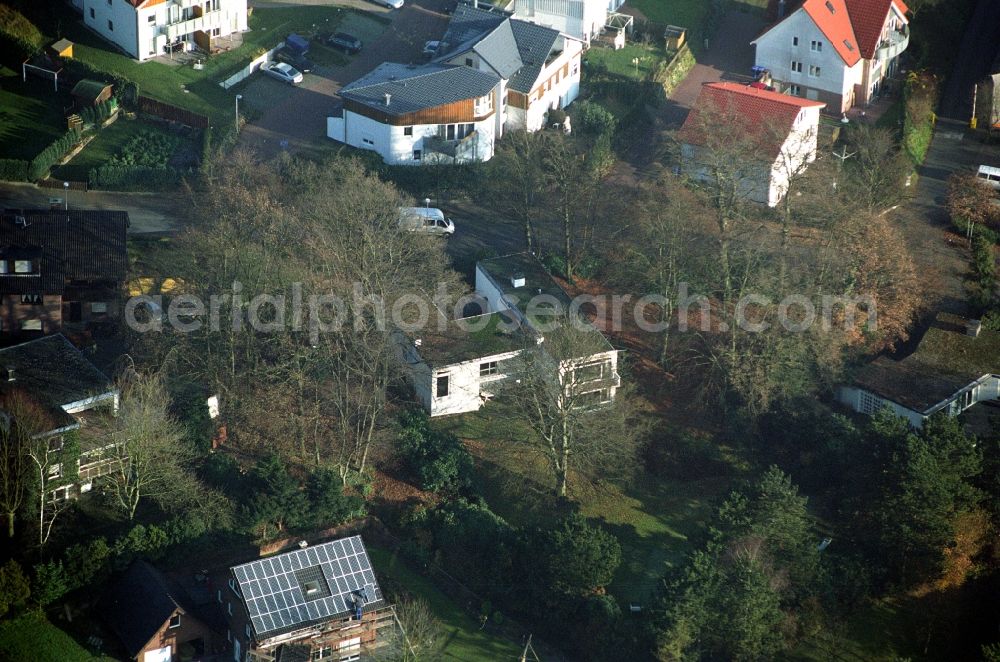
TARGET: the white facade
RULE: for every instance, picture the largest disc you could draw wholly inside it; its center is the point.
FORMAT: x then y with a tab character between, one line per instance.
410	145
864	401
581	19
789	52
552	89
145	32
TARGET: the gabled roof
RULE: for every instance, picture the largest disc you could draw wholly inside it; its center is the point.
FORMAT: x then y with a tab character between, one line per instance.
868	17
834	21
53	372
516	49
305	587
763	114
79	245
138	603
946	361
89	89
411	89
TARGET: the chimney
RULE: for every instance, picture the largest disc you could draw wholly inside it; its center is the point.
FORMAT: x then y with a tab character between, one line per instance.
517	280
11	374
973	327
388	98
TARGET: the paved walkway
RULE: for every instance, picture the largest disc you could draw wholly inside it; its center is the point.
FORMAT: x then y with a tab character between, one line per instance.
300	119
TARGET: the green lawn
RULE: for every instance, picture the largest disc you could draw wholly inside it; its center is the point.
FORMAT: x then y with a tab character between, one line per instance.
108	143
199	91
30	115
621	63
465	641
685	13
32	637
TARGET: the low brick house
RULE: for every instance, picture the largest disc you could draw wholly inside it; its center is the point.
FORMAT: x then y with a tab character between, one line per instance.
60	269
154	619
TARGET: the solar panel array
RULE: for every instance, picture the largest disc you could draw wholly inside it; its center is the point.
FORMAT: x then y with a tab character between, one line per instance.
275	600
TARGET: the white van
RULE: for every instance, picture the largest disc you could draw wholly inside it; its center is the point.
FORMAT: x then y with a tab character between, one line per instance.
989	175
426	220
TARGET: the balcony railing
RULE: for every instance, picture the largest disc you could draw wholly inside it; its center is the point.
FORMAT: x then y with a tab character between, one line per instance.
453	148
206	23
896	43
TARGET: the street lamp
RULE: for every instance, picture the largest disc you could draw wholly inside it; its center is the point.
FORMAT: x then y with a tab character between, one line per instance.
238	97
66	195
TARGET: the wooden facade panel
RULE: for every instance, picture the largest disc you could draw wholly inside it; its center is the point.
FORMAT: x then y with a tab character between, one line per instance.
452	113
517	99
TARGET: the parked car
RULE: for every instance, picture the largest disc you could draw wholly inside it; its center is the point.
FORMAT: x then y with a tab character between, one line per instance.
391	4
300	62
425	220
346	42
283	72
989	175
431	47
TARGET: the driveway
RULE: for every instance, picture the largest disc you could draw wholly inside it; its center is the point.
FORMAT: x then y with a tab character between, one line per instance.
298	114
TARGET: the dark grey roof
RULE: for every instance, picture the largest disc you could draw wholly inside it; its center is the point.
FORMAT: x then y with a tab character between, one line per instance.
537	280
516	49
78	246
138	603
53	372
277	603
416	88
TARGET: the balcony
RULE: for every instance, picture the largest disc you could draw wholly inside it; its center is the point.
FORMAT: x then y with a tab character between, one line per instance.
460	149
205	23
895	44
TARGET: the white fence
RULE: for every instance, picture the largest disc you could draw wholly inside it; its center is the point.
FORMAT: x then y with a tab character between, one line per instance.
250	68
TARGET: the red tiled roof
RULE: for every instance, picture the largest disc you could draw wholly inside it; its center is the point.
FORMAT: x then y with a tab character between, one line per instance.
140	4
868	18
834	21
761	112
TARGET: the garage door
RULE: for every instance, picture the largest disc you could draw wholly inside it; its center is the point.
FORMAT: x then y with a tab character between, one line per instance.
158	655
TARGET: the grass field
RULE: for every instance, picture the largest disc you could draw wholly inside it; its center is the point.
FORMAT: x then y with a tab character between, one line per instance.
686	13
31	116
465	641
199	91
32	637
621	63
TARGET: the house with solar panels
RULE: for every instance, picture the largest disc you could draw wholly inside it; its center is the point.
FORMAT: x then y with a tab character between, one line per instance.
318	602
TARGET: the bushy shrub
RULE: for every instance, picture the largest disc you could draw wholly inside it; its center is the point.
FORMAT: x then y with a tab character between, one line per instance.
51	583
594	119
14	587
438	460
13	170
19	38
329	505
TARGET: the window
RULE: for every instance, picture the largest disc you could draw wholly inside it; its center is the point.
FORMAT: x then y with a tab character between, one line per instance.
576	68
55	444
175	621
590	372
816	46
417	154
55	471
849	45
593	398
109	3
111	25
407	130
91	12
442	386
489	368
324	653
216	32
796	66
31	299
248	630
4	267
229	608
218	595
368	140
22	266
151	19
31	325
814	71
99	307
829	5
795	41
468	61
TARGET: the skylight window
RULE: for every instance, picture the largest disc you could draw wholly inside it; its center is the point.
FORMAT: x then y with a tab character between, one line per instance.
849	45
829	5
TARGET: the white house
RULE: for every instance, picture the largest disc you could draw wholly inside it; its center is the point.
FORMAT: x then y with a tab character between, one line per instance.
581	19
410	115
458	365
780	129
147	28
956	366
836	51
493	73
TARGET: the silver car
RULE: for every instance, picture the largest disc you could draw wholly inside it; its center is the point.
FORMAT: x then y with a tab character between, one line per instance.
283	72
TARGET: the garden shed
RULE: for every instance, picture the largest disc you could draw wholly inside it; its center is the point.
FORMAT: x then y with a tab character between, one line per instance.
90	92
61	48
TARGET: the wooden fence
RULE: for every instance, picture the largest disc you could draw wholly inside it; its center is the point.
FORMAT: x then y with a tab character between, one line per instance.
173	113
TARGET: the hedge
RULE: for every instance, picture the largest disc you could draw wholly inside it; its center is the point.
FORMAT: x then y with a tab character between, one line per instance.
41	164
13	170
126	178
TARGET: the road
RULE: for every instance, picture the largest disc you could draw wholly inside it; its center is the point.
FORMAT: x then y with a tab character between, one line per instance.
149	213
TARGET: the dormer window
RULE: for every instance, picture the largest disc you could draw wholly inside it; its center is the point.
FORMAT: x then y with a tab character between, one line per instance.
175	621
4	267
829	5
